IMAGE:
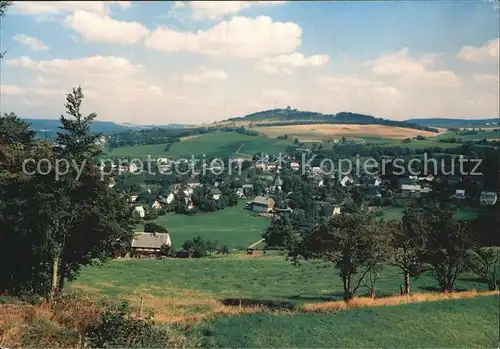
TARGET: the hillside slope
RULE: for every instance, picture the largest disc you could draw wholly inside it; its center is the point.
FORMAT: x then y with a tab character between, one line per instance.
298	117
444	122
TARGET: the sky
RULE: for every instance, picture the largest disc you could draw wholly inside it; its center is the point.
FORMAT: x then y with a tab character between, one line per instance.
199	62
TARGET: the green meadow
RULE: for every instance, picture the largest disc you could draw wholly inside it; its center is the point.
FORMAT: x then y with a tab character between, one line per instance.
261	279
217	144
232	226
470	323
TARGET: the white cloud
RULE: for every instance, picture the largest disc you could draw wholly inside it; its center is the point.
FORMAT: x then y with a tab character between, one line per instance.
361	94
204	75
49	10
276	94
112	85
285	63
217	9
486	78
34	43
178	4
240	37
95	28
488	53
413	71
11	90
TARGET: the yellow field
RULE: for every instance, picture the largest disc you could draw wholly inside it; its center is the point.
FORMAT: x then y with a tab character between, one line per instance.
328	131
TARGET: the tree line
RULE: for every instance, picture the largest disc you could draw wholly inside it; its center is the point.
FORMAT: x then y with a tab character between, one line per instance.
427	239
167	136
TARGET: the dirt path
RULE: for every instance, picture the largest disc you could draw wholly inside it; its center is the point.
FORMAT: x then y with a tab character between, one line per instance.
255	243
237	152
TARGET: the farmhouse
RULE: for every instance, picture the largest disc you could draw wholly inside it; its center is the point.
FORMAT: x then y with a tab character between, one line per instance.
262	204
149	244
488	198
156	205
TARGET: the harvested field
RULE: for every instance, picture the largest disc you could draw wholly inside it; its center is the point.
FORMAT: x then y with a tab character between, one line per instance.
328	131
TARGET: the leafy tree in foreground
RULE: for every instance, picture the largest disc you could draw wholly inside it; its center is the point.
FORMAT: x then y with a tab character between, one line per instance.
353	244
485	262
52	226
350	242
407	241
448	245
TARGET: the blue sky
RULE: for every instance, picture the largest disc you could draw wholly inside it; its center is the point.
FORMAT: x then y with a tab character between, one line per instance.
196	62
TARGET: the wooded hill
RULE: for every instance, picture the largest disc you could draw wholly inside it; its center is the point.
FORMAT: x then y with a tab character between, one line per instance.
288	116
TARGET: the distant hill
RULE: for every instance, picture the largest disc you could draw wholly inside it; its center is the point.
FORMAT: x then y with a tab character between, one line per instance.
444	122
47	128
290	116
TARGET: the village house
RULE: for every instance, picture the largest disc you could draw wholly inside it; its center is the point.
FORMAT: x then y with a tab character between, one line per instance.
317	170
373	181
189	203
156	205
133	167
262	204
239	192
192	183
133	198
170	198
459	194
278	183
140	211
149	244
406	181
294	165
282	210
216	193
336	210
265	166
488	198
346	180
411	191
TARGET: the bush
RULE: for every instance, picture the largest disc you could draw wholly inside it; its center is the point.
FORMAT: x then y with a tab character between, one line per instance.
154	228
43	333
199	252
165	249
197	247
150	215
118	328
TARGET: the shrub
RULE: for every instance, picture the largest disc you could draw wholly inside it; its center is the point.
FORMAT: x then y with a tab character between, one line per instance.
118	328
199	251
150	215
165	249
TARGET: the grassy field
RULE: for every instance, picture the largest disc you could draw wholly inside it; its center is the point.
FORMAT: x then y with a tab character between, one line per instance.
392	212
241	276
217	144
414	144
446	324
328	131
233	226
187	291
